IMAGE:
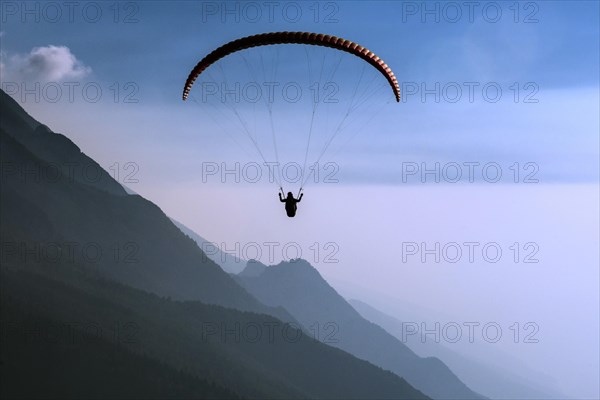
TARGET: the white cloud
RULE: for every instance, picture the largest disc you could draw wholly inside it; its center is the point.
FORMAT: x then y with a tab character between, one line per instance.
44	64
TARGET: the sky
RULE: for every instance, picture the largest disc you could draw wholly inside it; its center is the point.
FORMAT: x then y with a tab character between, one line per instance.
495	142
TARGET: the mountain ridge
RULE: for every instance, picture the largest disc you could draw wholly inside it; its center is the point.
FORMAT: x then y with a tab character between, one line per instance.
299	288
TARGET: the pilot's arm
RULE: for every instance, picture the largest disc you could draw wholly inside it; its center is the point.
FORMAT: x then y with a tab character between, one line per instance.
300	198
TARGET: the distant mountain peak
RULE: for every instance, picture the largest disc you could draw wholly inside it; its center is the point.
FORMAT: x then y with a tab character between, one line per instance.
298	287
253	268
298	268
42	129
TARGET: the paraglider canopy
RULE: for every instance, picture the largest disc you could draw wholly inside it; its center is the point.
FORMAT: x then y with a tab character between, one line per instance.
315	39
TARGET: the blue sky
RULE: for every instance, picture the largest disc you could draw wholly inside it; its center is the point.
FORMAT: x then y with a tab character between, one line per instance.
558	51
159	146
553	48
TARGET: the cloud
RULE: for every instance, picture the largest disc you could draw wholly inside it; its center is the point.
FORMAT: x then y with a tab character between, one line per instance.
44	64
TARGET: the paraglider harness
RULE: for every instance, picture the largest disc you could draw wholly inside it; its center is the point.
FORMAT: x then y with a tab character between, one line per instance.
283	193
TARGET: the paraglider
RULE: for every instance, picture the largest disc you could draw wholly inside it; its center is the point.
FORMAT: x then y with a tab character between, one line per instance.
313	40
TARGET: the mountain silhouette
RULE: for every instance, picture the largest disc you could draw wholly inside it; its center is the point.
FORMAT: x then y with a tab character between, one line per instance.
138	243
300	289
487	379
39	303
83	259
